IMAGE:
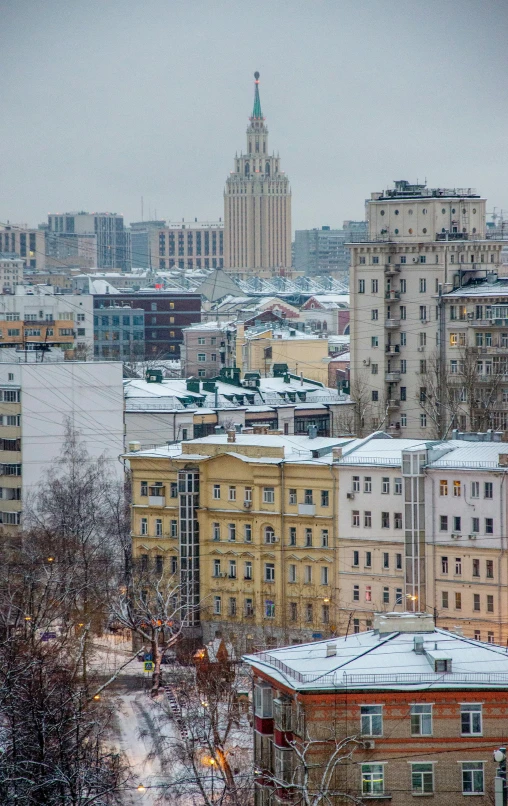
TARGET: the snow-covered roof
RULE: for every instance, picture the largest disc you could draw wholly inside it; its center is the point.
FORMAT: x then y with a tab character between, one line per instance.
213	325
386	658
499	288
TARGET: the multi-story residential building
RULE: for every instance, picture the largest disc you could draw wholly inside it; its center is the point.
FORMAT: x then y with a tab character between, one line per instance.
27	244
419	240
158	411
195	245
257	542
207	347
112	239
142	244
328	313
323	251
403	710
166	314
36	402
262	348
35	318
11	274
257	206
119	332
70	250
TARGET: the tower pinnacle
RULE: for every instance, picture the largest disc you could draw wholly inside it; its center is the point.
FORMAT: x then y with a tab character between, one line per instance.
256	112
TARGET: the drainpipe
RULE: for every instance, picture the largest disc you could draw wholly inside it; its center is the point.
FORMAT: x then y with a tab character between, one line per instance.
282	541
501	557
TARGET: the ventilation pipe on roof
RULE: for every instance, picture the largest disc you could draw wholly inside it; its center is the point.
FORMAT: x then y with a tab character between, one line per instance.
231	435
418	644
331	650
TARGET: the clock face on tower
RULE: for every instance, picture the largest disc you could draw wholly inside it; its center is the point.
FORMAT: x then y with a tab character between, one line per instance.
257	205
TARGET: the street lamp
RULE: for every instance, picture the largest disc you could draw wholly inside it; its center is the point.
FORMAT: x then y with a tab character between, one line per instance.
500	779
141	789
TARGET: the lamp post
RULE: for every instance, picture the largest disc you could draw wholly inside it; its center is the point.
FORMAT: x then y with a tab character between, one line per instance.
500	779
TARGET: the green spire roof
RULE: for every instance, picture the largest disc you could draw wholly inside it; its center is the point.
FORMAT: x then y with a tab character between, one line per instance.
256	112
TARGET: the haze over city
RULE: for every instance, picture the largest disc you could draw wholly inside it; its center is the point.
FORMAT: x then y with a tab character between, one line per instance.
108	102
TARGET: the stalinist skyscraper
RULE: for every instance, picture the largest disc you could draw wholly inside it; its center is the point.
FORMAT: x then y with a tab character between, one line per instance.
257	207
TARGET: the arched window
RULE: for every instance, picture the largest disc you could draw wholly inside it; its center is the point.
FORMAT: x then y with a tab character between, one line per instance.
246	169
269	535
325	326
267	169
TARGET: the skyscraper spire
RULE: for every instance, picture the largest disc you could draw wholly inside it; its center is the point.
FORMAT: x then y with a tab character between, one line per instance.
256	112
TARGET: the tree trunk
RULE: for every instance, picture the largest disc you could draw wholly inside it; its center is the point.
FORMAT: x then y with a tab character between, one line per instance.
156	658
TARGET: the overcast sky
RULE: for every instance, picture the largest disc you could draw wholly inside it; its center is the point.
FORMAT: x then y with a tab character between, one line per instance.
106	101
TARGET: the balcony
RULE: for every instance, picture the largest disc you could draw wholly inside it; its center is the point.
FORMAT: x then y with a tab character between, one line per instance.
157	496
392	324
392	377
306	509
393	405
392	294
392	349
391	269
452	236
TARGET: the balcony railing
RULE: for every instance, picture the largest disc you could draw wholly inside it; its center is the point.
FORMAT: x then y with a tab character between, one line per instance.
392	349
392	324
392	294
392	377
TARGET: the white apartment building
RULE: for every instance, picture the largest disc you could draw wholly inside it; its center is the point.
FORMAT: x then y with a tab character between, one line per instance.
36	401
11	273
420	241
422	526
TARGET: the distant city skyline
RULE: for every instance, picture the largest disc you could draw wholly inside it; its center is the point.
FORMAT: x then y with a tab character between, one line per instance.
106	103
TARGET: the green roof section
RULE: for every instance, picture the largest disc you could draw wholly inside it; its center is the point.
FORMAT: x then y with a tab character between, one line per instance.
256	112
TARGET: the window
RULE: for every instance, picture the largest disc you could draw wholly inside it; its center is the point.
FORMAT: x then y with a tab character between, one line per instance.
308	497
490	569
293	611
232	494
385	520
247	570
268	495
475	525
361	286
398	596
476	601
324	575
232	532
386	595
325	498
355	517
356	593
217	605
232	569
201	340
249	607
216	531
422	779
292	535
216	491
475	489
385	485
489	526
458	601
367	519
361	261
477	635
423	285
309	615
307	574
372	779
269	572
356	484
371	720
421	720
144	488
402	339
423	313
374	314
325	614
375	286
232	606
476	567
398	562
356	557
397	486
458	566
368	593
397	520
402	311
488	489
368	559
374	369
308	537
158	527
292	573
367	484
201	357
269	535
423	258
216	568
490	637
423	420
173	528
456	489
292	496
490	603
144	526
444	565
247	532
472	778
374	341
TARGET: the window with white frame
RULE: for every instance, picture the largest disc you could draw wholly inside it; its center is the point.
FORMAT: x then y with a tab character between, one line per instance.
421	719
268	495
324	538
397	483
232	532
371	720
367	484
475	489
324	575
217	605
472	778
269	534
292	572
144	526
422	778
216	531
356	484
232	494
307	574
158	527
373	782
247	570
216	491
269	572
385	485
247	532
471	719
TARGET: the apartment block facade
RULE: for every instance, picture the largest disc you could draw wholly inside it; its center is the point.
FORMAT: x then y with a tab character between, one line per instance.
197	245
23	243
402	711
207	348
11	274
420	240
113	247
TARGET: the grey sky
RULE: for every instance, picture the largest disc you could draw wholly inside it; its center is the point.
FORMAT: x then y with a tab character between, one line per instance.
105	101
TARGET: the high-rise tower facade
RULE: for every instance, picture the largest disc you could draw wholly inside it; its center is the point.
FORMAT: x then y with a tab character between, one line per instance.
257	206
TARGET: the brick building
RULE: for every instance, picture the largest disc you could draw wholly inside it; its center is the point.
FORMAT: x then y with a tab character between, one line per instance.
410	710
166	314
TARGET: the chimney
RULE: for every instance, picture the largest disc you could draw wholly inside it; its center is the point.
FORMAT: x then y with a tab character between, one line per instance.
336	454
418	644
312	431
331	650
503	460
231	435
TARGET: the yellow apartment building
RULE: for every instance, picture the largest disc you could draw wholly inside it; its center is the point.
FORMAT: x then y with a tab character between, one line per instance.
250	522
303	353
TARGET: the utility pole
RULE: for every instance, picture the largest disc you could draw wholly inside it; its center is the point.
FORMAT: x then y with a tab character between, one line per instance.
500	779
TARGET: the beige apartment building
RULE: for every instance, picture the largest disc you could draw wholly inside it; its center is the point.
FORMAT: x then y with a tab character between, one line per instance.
421	241
11	274
257	206
27	244
262	348
195	245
